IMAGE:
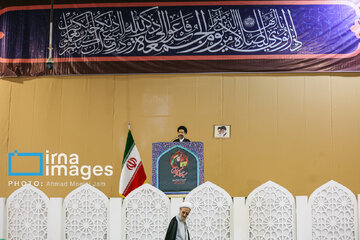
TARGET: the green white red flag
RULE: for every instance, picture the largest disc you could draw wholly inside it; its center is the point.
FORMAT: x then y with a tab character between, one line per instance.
132	172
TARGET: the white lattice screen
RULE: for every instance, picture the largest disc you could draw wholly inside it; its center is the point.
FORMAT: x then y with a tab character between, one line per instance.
146	214
210	216
86	214
27	214
271	213
333	213
268	213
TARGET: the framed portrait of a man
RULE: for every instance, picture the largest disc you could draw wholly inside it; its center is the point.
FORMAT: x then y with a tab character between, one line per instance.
222	131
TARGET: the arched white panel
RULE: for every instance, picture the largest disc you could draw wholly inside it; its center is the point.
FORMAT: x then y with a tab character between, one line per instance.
210	216
333	213
86	214
146	213
271	213
27	214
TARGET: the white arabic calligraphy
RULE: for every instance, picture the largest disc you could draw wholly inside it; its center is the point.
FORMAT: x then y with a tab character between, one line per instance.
153	32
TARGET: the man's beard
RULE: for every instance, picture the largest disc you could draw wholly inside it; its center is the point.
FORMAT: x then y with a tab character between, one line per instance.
182	219
180	136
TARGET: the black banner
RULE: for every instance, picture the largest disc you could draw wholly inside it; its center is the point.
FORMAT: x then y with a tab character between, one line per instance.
177	37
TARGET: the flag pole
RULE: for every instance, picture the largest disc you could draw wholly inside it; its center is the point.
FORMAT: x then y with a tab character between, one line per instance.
129	125
50	61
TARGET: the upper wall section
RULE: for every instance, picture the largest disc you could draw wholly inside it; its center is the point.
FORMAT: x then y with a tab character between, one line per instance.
299	130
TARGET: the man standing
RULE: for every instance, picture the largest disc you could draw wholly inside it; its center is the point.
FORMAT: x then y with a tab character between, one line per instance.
177	229
181	132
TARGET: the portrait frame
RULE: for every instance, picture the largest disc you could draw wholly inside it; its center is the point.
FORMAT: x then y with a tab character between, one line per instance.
222	131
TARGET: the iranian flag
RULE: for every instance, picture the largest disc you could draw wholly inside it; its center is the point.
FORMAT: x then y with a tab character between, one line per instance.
132	172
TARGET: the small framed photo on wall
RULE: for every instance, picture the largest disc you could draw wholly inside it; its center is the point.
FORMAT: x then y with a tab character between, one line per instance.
222	131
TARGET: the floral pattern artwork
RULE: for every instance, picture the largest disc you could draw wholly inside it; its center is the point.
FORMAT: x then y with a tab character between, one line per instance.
333	213
210	216
271	213
27	214
86	214
146	214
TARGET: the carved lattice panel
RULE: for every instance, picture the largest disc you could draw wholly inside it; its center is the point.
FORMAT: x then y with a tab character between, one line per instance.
86	214
146	214
333	213
210	216
27	214
271	213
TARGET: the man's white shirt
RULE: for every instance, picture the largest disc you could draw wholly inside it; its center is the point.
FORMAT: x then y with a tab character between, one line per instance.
181	232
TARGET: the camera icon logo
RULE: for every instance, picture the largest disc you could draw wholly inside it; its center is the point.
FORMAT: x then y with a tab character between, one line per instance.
25	164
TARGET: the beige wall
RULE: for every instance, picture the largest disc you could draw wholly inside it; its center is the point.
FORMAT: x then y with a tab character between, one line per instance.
297	130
